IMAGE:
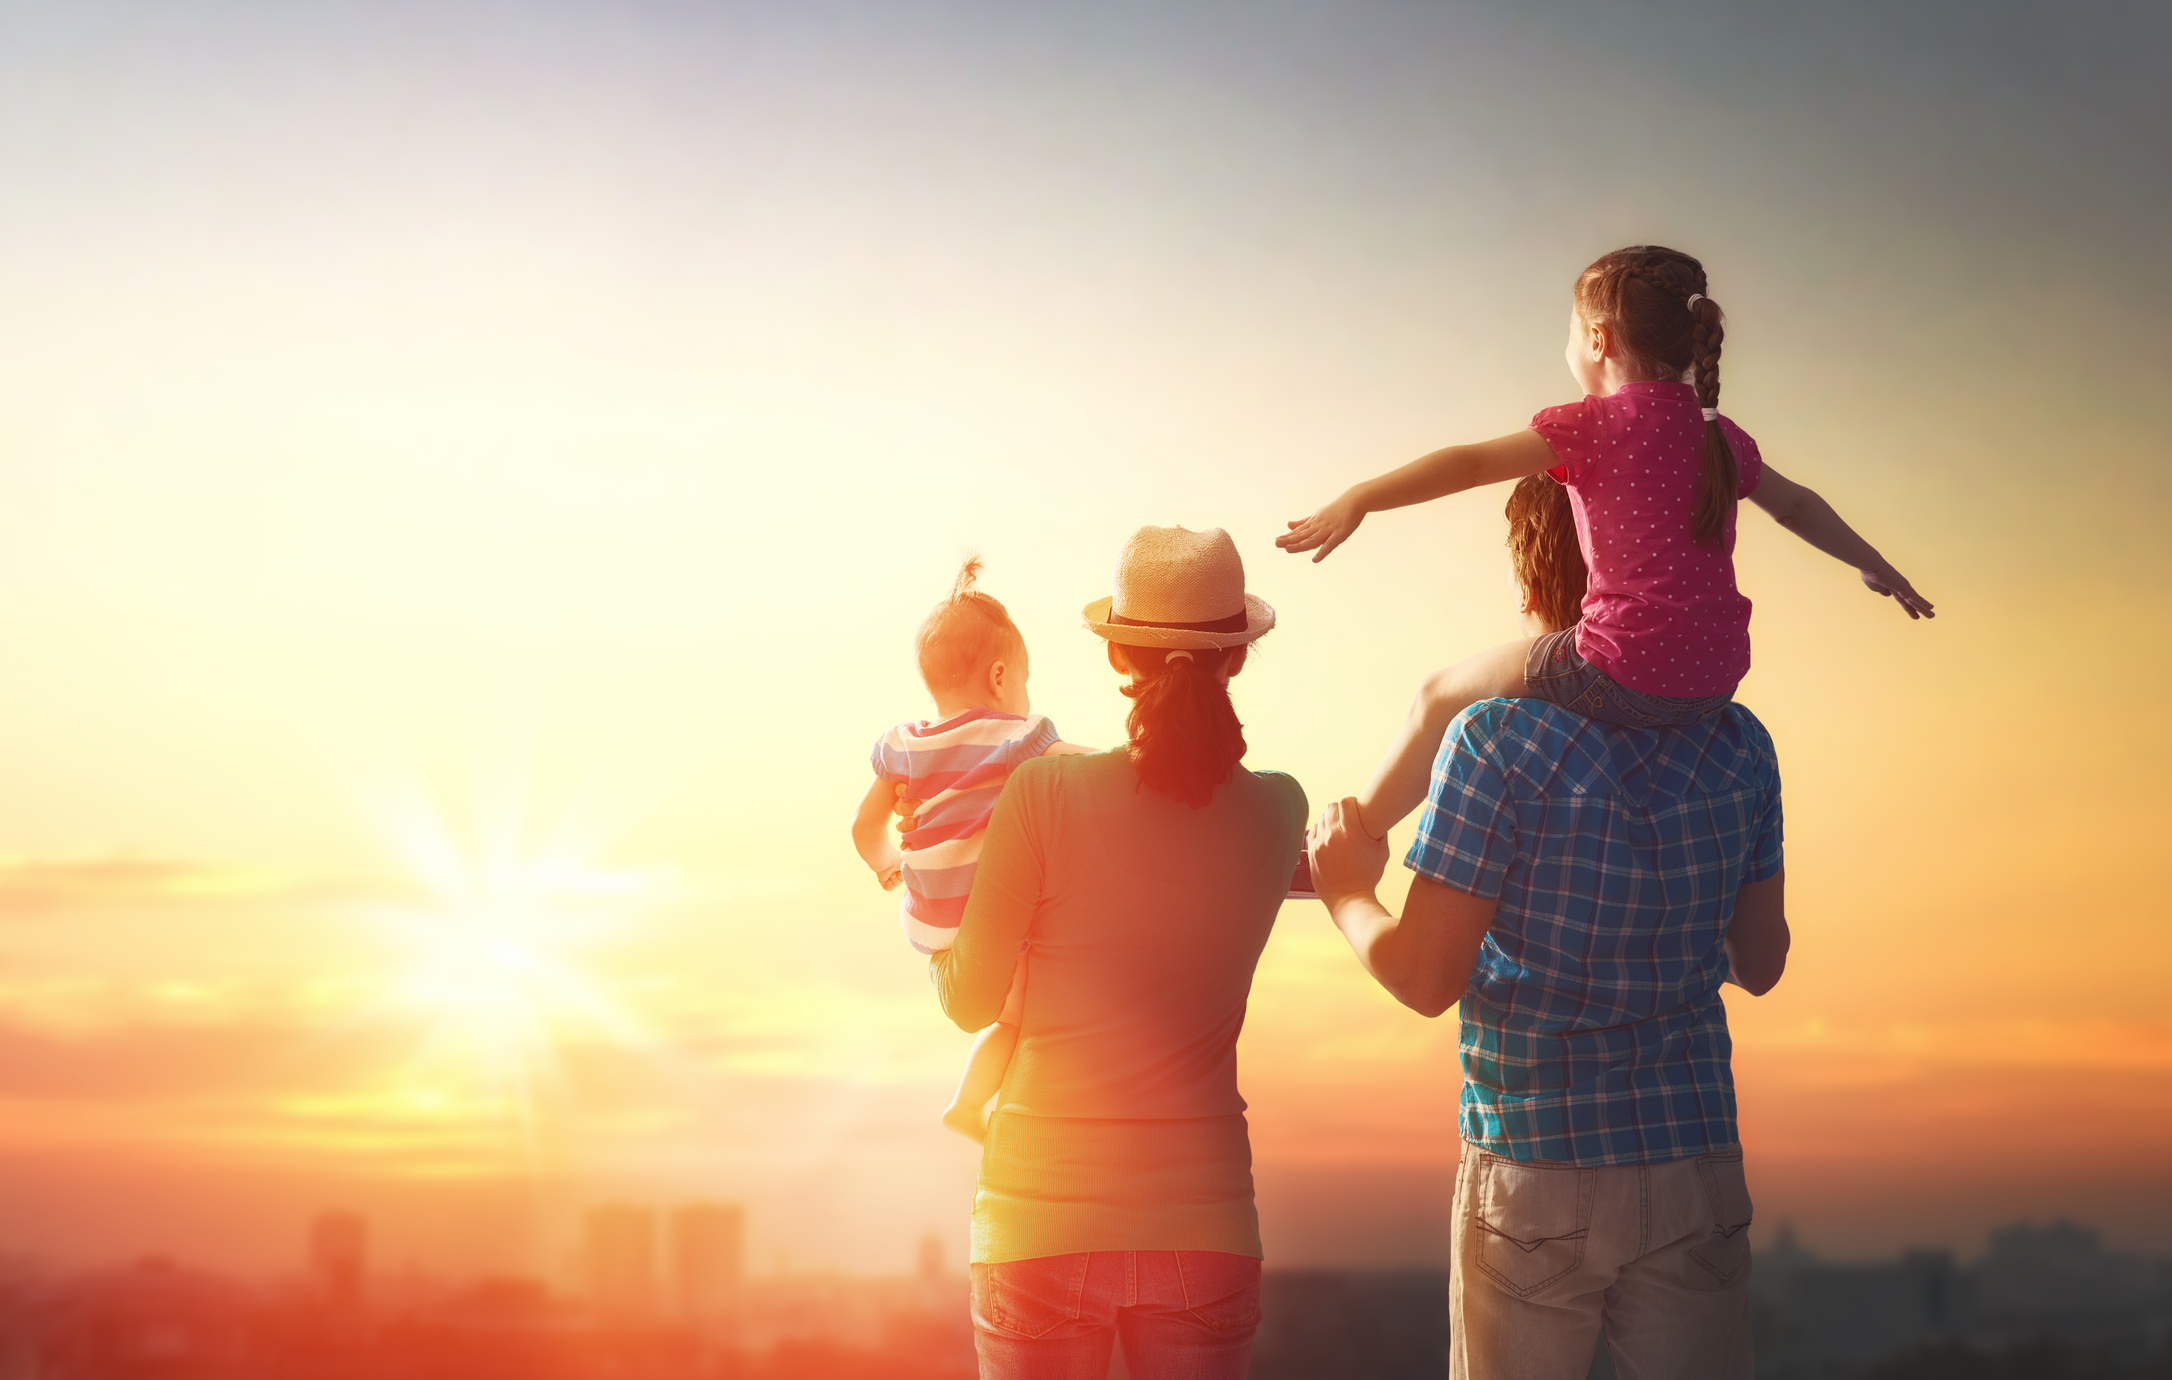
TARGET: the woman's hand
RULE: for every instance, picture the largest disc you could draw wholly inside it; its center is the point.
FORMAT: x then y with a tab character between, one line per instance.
1326	529
1346	860
1884	579
907	812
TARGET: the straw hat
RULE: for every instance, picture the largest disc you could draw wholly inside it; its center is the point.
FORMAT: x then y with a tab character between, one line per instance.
1179	589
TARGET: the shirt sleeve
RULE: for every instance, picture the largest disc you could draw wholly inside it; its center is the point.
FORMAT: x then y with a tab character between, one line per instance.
1039	736
1767	851
973	975
1467	835
1749	461
1292	796
1570	431
889	762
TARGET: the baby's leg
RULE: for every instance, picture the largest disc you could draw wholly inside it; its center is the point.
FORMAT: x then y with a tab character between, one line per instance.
967	1113
1401	780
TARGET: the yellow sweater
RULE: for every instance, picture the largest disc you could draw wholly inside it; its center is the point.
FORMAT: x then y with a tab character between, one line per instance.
1119	1126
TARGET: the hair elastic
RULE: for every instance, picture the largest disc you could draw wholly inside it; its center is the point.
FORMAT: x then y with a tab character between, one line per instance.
1168	657
1694	299
1711	414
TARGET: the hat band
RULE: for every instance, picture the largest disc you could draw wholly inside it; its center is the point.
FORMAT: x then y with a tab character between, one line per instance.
1236	622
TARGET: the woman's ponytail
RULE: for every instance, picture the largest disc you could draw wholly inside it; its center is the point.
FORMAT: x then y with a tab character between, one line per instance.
1185	738
1716	491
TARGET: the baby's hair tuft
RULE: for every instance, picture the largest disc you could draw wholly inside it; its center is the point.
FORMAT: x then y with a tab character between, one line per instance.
964	635
967	574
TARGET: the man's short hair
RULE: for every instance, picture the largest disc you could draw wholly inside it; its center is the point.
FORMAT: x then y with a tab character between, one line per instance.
1542	546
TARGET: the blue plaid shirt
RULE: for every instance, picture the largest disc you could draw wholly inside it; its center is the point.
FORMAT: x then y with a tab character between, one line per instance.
1592	1029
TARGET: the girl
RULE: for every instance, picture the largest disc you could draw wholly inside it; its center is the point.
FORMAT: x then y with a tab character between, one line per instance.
1653	473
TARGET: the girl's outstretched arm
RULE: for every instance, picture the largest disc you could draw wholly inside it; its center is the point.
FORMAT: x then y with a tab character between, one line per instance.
1810	517
1447	471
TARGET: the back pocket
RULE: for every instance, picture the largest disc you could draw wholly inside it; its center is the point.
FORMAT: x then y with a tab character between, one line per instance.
1531	1221
1220	1289
1724	1254
1029	1298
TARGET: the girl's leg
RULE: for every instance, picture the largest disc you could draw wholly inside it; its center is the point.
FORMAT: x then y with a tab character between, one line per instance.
967	1113
1401	780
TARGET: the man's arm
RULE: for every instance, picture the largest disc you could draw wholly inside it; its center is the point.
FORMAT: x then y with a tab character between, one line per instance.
1449	470
1758	938
1803	512
871	832
1424	956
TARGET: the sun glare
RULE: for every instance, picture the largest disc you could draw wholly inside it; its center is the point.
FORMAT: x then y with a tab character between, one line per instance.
493	968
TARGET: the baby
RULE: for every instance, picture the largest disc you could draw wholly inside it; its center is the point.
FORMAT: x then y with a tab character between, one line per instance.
974	664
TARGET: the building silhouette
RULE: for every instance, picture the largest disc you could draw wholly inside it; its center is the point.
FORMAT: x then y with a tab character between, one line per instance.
620	1254
708	1256
339	1258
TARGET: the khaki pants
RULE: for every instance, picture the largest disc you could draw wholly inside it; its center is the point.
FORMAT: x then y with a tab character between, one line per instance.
1548	1255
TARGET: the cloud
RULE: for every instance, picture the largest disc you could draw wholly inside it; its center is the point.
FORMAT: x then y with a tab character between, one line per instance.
37	886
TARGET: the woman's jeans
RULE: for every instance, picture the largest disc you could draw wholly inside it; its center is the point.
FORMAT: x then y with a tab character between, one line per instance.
1183	1315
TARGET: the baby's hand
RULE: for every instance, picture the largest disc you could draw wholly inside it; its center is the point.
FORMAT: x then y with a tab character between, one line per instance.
891	876
1326	529
1894	585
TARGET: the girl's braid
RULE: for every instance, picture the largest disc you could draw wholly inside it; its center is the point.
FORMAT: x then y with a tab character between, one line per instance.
1680	277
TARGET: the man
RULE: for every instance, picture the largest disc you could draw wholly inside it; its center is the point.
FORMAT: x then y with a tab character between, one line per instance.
1583	890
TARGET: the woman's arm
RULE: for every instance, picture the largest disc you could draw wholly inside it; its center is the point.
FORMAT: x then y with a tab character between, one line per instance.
973	975
871	832
1810	517
1060	748
1446	471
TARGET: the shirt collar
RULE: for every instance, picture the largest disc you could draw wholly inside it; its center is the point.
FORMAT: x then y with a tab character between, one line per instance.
1658	388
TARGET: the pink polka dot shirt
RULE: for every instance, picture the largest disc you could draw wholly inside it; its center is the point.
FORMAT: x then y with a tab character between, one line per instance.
1661	614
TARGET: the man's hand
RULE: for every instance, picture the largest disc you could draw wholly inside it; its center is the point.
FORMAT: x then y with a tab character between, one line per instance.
1346	861
1884	579
1326	529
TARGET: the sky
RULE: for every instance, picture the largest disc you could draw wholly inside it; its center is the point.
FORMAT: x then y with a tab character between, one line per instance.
470	473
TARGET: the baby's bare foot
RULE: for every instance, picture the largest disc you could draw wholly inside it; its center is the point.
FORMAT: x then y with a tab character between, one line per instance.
970	1122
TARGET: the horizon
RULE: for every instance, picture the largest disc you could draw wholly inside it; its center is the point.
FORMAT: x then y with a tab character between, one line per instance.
565	1274
471	481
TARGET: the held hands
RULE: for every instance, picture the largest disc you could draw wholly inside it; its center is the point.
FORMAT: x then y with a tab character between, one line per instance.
1326	529
1346	860
1890	582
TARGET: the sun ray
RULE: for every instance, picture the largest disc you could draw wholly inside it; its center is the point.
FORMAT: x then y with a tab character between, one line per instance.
493	965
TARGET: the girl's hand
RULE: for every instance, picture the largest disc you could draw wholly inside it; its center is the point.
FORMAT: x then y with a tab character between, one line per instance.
1346	859
1894	585
1326	529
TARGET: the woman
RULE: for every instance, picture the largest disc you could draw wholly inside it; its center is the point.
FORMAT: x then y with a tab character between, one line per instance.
1115	1193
